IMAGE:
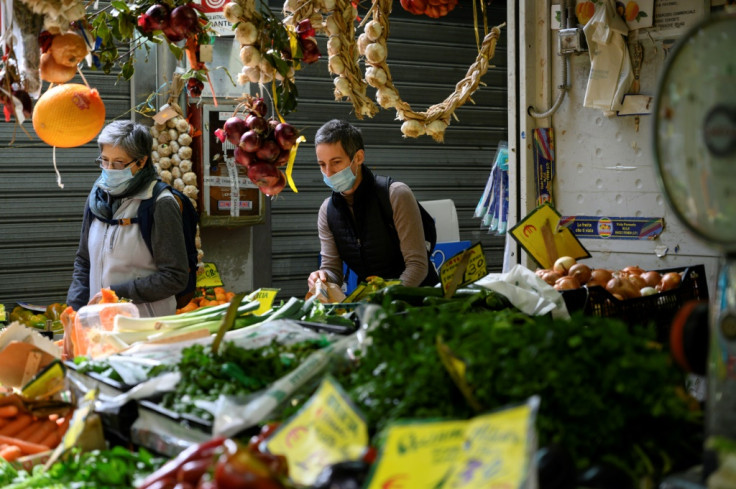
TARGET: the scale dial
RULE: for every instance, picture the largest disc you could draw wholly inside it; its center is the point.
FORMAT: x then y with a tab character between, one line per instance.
695	131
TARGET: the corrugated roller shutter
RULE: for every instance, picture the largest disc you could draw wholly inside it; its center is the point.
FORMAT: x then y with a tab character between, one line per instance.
40	222
427	58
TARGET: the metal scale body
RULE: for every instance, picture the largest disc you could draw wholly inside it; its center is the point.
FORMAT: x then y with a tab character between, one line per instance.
695	153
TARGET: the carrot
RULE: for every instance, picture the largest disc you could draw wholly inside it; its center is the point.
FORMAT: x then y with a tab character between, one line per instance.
25	447
4	421
28	430
51	440
8	411
10	452
108	296
47	426
17	425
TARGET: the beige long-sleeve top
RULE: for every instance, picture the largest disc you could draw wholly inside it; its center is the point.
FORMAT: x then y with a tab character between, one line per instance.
408	224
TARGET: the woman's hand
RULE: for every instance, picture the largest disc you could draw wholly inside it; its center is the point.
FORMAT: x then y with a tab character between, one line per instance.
320	275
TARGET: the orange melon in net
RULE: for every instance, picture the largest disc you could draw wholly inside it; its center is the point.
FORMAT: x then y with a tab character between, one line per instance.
68	115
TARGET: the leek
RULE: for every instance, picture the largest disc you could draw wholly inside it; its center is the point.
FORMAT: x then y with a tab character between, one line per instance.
125	324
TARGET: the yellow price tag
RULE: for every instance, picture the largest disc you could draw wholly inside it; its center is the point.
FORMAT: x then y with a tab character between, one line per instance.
76	427
488	451
265	297
540	236
327	430
2	312
208	276
495	449
469	264
47	382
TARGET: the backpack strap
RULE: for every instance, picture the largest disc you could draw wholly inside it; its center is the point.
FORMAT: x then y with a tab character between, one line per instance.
145	213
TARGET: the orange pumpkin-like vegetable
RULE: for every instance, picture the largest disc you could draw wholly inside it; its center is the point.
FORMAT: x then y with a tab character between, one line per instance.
68	49
53	72
69	115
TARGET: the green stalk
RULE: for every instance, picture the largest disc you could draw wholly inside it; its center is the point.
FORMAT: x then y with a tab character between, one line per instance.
128	324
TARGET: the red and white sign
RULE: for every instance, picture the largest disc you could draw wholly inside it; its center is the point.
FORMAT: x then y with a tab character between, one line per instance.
213	10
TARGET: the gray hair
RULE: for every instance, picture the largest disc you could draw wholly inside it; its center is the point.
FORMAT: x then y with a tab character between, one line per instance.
340	131
133	138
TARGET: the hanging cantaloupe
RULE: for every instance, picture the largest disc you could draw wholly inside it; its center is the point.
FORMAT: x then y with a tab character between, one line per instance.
69	115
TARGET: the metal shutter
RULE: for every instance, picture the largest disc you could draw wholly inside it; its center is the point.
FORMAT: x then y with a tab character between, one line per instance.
40	222
427	58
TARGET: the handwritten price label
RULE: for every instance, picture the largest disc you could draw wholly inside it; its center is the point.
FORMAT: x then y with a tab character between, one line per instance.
208	276
465	267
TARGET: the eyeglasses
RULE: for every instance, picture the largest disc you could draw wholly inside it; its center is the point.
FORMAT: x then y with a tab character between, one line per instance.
115	165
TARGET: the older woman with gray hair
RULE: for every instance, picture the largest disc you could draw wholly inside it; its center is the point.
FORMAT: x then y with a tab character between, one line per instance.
112	253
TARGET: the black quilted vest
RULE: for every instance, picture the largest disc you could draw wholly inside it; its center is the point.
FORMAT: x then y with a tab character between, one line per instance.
368	244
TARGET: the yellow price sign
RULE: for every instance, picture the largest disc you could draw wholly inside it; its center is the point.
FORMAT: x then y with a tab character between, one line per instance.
466	267
208	276
327	430
489	451
265	297
541	236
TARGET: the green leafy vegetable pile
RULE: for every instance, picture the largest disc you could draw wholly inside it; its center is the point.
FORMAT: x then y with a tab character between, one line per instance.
606	394
114	468
232	371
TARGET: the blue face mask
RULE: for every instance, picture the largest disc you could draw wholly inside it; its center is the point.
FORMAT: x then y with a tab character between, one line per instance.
115	181
341	181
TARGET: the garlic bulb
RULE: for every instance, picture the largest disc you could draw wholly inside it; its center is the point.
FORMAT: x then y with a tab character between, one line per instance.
160	127
185	165
246	33
335	65
175	172
182	126
173	133
253	74
184	139
375	76
190	191
386	97
164	150
175	159
373	30
189	178
171	123
436	128
412	129
342	85
174	146
316	20
266	67
185	152
331	26
265	77
166	176
154	155
242	79
178	184
155	132
290	6
164	163
362	43
328	5
250	55
375	52
164	137
233	12
333	45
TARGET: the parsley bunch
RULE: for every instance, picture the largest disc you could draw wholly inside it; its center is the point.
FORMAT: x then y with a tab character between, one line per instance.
607	393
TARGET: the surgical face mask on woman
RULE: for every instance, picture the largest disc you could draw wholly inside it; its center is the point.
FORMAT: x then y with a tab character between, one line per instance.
341	181
115	181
